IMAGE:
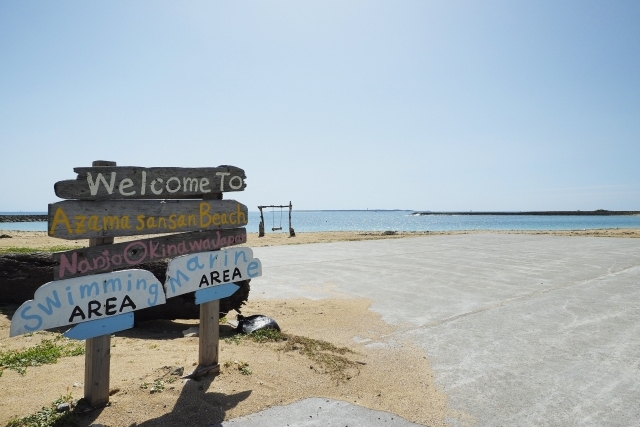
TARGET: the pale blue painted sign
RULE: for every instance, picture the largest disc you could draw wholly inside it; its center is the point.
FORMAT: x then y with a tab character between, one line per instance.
215	292
84	299
204	270
96	328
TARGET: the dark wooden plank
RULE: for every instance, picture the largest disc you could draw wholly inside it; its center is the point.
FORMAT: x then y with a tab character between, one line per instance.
132	182
93	260
86	219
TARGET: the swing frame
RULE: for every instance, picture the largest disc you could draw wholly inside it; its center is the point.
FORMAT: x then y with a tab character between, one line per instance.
292	233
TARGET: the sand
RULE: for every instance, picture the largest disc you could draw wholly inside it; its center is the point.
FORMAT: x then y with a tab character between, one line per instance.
388	375
39	239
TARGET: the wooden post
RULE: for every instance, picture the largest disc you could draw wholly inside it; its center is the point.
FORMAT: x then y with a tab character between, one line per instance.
209	332
261	225
97	358
291	232
209	329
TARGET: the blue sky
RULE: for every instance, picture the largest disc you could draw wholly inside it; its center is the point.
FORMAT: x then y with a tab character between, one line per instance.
493	105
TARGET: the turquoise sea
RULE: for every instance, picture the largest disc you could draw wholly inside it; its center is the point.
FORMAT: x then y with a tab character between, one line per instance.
306	221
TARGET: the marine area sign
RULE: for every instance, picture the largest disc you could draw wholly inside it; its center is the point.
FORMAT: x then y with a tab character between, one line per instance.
200	271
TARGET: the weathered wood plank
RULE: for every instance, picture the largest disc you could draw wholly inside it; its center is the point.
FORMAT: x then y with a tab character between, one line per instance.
73	219
132	182
102	259
97	365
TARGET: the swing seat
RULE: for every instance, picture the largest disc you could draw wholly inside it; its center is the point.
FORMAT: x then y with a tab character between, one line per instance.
276	228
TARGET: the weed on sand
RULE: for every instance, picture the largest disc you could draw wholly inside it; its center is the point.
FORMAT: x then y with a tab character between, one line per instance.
48	351
48	417
331	358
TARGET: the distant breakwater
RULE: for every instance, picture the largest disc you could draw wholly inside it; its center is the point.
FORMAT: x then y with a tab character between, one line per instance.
23	218
599	212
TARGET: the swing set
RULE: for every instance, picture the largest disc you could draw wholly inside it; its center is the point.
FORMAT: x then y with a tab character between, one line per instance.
292	233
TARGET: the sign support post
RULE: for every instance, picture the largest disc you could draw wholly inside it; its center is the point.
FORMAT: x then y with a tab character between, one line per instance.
209	329
97	358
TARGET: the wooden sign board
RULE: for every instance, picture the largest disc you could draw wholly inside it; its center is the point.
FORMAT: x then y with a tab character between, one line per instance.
73	219
131	182
102	259
83	299
208	269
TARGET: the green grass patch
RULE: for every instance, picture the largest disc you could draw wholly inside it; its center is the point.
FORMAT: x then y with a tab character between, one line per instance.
330	358
23	250
47	352
243	367
48	417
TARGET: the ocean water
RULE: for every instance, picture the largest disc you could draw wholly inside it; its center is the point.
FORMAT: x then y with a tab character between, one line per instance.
307	221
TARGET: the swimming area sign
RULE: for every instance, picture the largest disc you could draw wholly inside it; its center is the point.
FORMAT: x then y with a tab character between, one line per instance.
82	299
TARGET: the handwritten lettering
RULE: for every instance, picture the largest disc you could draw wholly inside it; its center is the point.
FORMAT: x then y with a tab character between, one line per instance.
210	269
126	187
204	216
82	299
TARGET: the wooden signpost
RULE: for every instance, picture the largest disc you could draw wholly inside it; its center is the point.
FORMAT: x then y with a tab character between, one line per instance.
98	301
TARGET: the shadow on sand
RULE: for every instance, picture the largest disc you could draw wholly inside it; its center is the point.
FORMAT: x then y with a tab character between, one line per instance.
195	407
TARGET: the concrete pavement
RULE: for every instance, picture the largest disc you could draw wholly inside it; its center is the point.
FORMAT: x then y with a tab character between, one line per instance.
521	330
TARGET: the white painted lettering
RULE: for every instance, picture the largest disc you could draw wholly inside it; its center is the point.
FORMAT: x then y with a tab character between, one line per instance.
204	182
222	175
189	184
238	186
173	178
93	186
144	182
124	184
153	186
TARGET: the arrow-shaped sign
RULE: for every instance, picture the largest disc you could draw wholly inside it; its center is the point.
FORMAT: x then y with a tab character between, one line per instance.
204	270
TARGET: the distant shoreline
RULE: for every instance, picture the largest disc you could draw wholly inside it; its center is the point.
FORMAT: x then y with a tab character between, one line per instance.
23	218
599	212
30	217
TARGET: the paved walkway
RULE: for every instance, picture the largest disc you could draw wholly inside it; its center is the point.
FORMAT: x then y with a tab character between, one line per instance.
521	330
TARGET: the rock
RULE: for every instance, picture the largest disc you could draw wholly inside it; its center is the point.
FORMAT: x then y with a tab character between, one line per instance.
250	324
5	236
178	371
63	407
191	332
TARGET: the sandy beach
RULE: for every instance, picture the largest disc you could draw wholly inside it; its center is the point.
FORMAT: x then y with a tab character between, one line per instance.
40	240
